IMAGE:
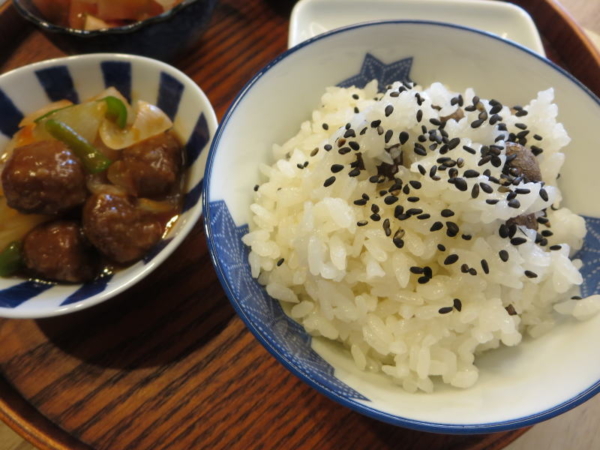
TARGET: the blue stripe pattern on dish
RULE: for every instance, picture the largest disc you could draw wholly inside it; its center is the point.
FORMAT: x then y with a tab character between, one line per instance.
20	293
10	116
198	140
192	197
57	83
118	75
169	95
87	290
281	332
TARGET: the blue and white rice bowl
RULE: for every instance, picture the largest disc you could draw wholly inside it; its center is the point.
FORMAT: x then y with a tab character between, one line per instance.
517	386
26	89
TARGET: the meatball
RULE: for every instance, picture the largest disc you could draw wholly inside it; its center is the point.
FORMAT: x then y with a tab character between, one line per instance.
524	161
44	178
119	230
58	251
150	168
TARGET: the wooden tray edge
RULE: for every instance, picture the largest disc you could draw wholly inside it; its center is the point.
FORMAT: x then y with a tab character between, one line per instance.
31	425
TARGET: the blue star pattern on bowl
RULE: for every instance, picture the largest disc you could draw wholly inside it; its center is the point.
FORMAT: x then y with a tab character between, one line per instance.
58	83
590	256
373	69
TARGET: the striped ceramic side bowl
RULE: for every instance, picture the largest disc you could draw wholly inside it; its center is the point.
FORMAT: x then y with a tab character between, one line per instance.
79	77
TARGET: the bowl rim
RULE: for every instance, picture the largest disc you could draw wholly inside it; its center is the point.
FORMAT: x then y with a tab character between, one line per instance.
195	213
125	29
420	425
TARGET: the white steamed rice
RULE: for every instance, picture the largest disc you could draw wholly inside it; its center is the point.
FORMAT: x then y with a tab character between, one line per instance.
353	284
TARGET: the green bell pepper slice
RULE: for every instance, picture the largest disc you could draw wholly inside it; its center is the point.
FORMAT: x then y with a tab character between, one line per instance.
11	259
93	160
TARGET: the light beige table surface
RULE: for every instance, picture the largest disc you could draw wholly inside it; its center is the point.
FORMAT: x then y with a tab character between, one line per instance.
578	429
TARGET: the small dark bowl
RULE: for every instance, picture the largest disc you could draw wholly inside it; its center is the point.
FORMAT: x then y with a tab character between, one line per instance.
165	37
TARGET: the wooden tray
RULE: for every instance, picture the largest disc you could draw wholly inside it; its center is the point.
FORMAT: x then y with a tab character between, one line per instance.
168	364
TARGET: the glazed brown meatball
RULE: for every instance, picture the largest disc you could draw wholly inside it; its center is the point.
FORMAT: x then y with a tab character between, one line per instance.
44	178
58	251
150	168
121	232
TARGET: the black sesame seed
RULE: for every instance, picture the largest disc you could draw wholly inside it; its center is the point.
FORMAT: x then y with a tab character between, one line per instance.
374	179
355	96
452	229
389	109
374	208
518	241
414	211
388	136
280	262
472	271
354	145
469	150
485	266
428	272
360	202
361	223
344	150
475	191
403	137
477	123
464	268
314	152
420	151
547	233
354	172
390	199
451	259
329	181
422	170
375	217
399	243
503	231
536	150
492	201
521	113
486	188
521	126
350	133
514	203
555	247
423	216
470	173
530	274
415	184
436	226
435	122
423	280
419	115
432	171
457	304
484	160
325	126
453	143
327	147
576	297
503	254
375	123
522	191
441	247
544	194
300	166
413	199
386	227
447	213
537	137
337	168
461	184
399	209
446	310
256	187
382	192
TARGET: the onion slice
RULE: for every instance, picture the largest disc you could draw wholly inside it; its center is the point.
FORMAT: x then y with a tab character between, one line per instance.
149	121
